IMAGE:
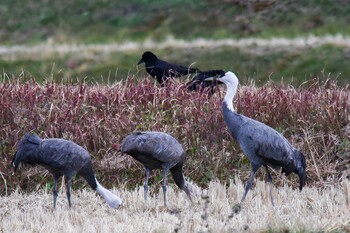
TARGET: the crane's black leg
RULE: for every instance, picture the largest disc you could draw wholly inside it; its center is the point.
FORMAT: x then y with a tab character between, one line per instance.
68	191
145	186
165	173
250	181
269	179
55	193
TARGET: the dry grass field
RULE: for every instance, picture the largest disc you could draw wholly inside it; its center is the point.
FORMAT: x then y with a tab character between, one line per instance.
312	210
96	116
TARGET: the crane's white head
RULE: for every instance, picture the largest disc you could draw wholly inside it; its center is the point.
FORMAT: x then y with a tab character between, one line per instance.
229	78
231	82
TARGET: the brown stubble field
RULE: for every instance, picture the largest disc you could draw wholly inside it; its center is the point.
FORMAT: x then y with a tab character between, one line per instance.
311	210
314	117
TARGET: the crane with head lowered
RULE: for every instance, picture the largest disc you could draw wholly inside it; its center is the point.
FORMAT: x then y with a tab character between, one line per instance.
157	150
61	158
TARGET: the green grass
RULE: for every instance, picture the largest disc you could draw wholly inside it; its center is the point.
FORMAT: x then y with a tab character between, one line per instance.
92	21
105	21
293	67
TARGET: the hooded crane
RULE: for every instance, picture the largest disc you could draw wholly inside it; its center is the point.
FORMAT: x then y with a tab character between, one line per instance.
263	145
162	70
61	158
199	83
157	150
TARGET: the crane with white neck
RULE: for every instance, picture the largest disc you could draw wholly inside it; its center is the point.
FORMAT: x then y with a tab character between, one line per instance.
61	158
263	145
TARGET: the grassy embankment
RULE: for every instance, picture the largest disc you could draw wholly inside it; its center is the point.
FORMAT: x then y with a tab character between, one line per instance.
79	22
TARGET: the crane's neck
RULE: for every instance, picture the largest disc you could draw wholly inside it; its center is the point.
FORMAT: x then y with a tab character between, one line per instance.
230	94
179	179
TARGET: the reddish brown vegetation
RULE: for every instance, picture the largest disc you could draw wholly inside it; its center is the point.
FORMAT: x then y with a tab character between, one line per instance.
314	117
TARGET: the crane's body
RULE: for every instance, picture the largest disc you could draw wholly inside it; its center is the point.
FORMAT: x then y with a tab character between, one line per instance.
263	145
61	158
157	150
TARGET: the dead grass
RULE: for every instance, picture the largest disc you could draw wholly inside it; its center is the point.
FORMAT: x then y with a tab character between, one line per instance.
314	118
311	210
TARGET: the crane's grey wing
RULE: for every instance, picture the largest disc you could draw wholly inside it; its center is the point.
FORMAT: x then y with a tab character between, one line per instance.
267	144
63	154
157	145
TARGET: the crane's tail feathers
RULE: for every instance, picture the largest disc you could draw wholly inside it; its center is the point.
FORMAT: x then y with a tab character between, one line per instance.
112	200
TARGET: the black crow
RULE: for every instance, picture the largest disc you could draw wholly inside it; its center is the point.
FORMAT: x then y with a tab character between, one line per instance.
198	83
162	70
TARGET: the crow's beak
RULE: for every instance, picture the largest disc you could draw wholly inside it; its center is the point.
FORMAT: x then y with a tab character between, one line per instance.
141	61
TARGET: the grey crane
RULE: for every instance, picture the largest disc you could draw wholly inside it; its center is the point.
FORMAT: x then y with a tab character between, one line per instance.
61	158
157	150
263	145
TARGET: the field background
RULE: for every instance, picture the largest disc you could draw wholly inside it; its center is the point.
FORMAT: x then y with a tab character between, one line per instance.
69	70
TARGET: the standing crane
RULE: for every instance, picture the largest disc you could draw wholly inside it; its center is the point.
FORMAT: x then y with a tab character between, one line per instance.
157	150
61	158
263	145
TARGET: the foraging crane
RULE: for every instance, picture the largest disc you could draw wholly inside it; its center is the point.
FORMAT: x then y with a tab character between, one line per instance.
263	145
157	150
162	70
61	158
